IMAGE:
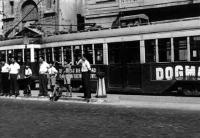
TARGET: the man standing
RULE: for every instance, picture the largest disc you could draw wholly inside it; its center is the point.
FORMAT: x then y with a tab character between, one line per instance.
5	75
14	75
67	77
43	71
52	76
85	69
28	74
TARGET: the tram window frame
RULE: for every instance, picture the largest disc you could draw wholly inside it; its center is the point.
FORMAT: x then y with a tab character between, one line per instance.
88	52
67	53
77	53
3	55
114	53
180	49
58	58
164	50
27	55
48	55
150	50
194	48
38	54
98	53
18	55
10	54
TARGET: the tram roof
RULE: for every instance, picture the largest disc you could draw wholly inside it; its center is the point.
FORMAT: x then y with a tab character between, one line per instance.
139	30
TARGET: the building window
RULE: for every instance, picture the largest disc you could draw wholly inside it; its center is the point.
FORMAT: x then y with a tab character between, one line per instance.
150	51
164	50
180	49
11	7
49	4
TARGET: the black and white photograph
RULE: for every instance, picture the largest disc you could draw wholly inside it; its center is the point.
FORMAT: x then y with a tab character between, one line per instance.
99	68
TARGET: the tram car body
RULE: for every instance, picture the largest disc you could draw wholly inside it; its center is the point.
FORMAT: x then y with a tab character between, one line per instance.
150	59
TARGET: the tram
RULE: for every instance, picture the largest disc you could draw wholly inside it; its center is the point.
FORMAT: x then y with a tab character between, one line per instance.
151	59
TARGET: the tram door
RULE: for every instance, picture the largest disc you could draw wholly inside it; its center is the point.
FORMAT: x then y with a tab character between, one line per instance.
124	65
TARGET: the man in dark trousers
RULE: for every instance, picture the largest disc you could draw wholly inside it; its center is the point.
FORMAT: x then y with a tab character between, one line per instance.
14	76
85	70
43	80
5	74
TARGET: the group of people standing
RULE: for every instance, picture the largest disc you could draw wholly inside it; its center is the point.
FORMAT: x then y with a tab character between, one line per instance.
9	76
47	73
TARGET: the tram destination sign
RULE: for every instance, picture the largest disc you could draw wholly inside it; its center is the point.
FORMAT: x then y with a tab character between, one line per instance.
176	72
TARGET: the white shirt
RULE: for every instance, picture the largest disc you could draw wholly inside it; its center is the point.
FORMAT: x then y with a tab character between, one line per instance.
85	65
52	70
43	67
28	72
14	68
5	68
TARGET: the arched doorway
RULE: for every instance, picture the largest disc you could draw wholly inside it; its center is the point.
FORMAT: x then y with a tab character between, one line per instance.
29	7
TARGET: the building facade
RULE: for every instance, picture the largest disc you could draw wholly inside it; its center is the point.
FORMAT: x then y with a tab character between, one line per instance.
51	16
1	17
107	12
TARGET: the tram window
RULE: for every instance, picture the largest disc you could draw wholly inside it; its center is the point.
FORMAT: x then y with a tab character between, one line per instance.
87	49
98	49
3	55
49	55
67	53
58	54
131	52
27	55
38	54
10	54
180	49
194	48
150	51
164	50
114	53
77	53
18	56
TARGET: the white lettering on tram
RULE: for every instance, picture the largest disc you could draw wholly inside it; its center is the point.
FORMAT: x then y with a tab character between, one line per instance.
177	72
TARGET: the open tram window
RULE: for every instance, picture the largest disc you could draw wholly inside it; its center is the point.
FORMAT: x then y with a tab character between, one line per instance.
77	53
114	53
87	49
67	53
3	55
27	55
98	49
150	51
18	55
58	54
131	51
49	55
194	48
164	50
180	49
10	54
38	54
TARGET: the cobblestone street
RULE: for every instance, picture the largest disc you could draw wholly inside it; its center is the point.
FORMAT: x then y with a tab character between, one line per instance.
42	119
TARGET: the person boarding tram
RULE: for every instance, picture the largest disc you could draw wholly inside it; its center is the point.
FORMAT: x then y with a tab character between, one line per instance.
5	74
14	76
85	70
28	74
43	80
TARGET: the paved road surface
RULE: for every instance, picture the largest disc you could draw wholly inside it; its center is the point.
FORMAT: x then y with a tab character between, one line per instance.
42	119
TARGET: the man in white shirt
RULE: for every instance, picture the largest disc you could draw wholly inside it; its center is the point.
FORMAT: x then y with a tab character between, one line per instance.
28	74
14	75
5	74
85	70
43	81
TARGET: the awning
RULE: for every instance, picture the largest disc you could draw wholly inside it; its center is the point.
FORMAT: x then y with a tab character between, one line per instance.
30	32
138	16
